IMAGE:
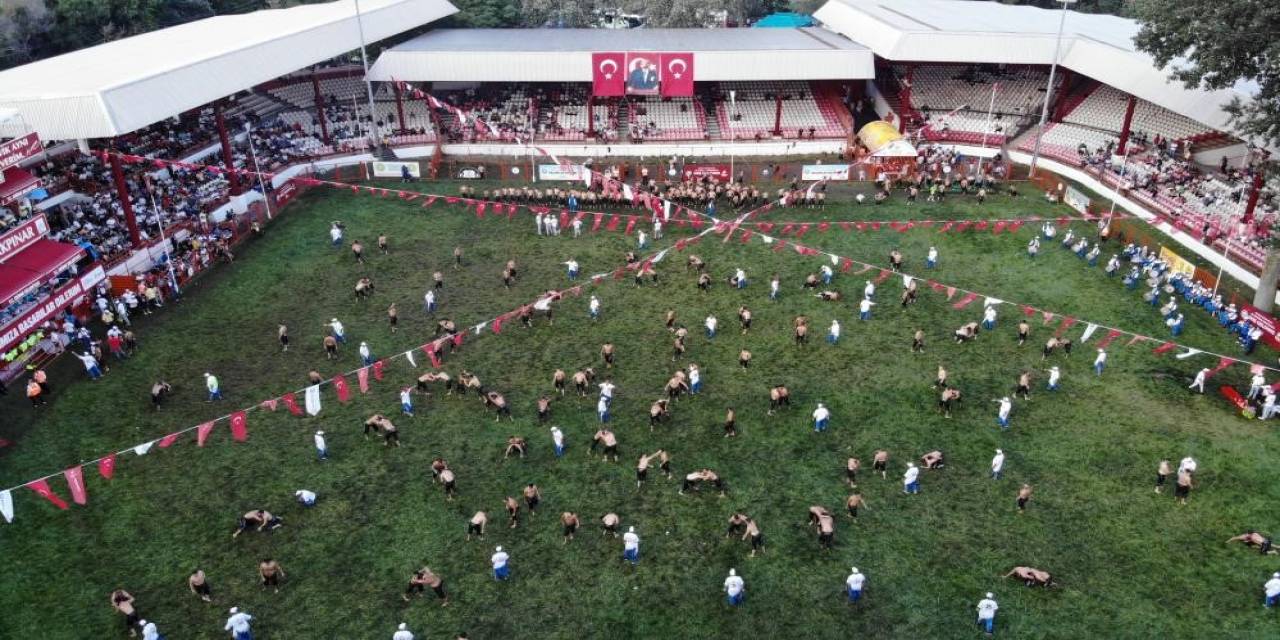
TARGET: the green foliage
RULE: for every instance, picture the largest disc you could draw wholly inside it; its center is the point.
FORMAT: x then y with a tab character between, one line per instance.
1131	564
1217	43
487	14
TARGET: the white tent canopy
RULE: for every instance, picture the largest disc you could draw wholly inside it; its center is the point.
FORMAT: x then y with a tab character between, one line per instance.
564	55
1098	46
122	86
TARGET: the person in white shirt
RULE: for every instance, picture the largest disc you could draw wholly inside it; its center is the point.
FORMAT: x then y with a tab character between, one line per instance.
335	235
821	418
322	452
537	220
1198	383
695	379
305	498
911	479
740	278
827	274
1256	385
833	334
1054	376
987	613
1187	464
406	401
775	285
594	308
402	633
864	309
997	465
91	365
1002	414
642	240
1100	362
869	291
572	268
1272	591
149	631
631	546
238	625
499	560
577	227
989	318
1269	407
602	409
606	390
429	301
339	332
211	383
710	323
931	260
657	229
853	585
366	354
557	438
734	588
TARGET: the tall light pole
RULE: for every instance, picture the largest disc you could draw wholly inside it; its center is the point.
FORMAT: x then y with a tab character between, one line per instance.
990	110
1048	94
364	60
169	251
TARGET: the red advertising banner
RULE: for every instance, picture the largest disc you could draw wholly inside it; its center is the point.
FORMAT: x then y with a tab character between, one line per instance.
285	193
644	73
15	151
677	74
23	236
1262	320
68	295
608	74
698	171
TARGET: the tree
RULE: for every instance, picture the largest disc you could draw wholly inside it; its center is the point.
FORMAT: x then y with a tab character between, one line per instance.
23	24
486	14
1214	44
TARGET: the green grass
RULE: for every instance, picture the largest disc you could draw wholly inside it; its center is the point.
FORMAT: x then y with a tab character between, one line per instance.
1131	563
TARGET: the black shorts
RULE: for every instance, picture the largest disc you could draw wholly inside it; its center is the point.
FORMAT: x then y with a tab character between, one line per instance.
641	474
570	529
611	450
665	466
1160	478
1182	491
473	528
202	589
532	503
155	399
271	580
1265	547
746	324
450	487
757	541
393	320
851	474
878	465
439	589
131	620
853	512
730	426
608	357
284	340
1022	503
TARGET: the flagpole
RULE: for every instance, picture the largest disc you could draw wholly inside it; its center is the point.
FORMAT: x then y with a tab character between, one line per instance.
173	279
368	84
990	109
733	108
253	153
1115	193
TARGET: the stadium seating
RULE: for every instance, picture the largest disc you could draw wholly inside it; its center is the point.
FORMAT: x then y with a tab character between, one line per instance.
753	111
668	119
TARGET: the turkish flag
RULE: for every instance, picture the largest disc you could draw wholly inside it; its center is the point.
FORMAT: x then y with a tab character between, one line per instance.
239	431
340	385
202	433
42	487
291	403
608	74
362	377
75	481
677	74
377	369
168	440
107	466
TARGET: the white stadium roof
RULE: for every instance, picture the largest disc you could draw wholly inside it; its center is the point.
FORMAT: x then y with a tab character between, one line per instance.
564	55
1098	46
122	86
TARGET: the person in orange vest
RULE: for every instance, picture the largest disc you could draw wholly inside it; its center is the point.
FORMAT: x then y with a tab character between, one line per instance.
35	393
41	379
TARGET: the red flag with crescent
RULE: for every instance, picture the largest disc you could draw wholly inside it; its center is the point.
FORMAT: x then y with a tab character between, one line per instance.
677	74
608	74
42	487
202	433
239	426
107	466
75	482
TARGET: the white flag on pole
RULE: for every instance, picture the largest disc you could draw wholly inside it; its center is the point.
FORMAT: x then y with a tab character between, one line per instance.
313	399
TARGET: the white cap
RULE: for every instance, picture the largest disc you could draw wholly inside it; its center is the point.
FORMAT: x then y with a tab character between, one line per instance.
334	320
732	572
1004	399
855	569
207	374
631	529
320	433
142	623
819	404
999	451
911	465
1099	350
990	595
298	492
499	548
235	610
402	626
363	343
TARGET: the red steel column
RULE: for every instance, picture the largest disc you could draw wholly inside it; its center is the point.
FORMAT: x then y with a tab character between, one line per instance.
1254	191
324	126
400	108
591	117
777	114
1126	125
228	160
122	192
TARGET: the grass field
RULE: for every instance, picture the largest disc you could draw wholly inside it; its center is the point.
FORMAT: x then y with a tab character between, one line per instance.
1131	563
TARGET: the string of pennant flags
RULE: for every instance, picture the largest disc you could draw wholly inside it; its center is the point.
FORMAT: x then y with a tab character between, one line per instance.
312	404
968	297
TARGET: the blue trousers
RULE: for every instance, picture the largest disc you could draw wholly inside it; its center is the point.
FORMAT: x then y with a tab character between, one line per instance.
913	487
864	315
929	264
735	600
631	555
711	333
820	425
854	596
559	450
1003	422
215	395
573	274
322	454
501	573
989	625
832	338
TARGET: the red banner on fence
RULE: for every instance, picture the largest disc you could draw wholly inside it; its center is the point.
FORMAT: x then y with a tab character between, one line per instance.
699	170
